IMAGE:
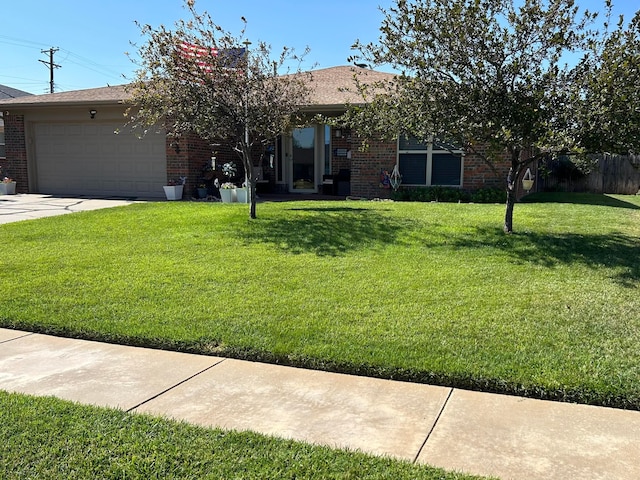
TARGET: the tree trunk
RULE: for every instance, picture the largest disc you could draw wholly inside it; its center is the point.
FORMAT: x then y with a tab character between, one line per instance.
512	183
250	179
252	197
508	217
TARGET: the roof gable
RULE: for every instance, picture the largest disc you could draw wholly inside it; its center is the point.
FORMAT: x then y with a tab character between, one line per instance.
336	86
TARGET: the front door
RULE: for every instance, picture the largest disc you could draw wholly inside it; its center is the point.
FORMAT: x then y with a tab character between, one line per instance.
303	173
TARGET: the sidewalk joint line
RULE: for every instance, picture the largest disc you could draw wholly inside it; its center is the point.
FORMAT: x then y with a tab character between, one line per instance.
17	338
174	386
444	405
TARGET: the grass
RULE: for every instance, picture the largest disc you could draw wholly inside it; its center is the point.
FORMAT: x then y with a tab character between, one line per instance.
423	292
50	438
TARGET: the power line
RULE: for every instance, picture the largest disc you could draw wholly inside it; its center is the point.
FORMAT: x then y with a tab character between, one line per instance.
69	57
89	64
52	66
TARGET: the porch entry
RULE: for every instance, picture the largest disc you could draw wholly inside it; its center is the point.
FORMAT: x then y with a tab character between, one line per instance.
307	157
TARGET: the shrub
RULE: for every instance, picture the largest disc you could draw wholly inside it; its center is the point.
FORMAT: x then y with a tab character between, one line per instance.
449	194
489	195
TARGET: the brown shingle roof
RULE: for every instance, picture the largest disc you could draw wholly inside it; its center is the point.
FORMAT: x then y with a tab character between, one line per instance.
94	96
326	85
10	92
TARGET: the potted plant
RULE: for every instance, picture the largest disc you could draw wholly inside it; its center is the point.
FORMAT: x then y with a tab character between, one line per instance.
242	194
202	190
174	190
527	180
228	192
7	184
228	189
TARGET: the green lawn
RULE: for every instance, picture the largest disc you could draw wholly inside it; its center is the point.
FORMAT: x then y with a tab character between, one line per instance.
429	292
49	438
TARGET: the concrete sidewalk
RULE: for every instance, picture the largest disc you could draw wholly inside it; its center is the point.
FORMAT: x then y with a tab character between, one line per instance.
479	433
29	206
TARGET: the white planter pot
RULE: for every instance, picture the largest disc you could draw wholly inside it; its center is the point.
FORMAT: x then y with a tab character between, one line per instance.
8	188
173	192
242	195
228	195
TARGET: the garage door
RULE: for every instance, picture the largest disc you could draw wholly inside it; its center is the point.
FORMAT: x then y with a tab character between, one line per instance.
90	159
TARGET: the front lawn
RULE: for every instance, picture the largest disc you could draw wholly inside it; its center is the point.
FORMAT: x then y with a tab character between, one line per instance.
428	292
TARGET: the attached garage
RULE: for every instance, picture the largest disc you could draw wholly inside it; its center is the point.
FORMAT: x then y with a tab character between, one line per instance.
77	143
89	158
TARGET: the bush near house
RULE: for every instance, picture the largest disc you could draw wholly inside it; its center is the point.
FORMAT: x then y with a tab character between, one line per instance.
449	194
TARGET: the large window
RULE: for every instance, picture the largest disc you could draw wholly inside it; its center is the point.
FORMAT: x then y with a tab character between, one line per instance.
431	163
3	149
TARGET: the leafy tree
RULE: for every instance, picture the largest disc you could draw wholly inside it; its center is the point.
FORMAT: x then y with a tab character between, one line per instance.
485	73
199	78
606	108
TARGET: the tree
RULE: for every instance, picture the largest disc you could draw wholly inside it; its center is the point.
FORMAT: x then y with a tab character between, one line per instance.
199	78
480	72
606	105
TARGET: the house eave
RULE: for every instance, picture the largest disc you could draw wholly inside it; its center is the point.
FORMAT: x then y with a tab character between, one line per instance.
37	105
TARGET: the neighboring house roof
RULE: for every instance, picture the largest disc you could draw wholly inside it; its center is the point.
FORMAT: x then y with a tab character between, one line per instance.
9	92
328	90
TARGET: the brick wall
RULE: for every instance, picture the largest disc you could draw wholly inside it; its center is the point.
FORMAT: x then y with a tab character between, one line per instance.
367	164
342	142
16	145
478	174
199	155
187	157
177	160
190	155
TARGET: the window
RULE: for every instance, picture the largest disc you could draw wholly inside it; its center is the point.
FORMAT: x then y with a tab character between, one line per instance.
3	148
327	150
431	163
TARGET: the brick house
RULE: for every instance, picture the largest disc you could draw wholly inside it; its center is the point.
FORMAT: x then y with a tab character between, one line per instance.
7	93
75	143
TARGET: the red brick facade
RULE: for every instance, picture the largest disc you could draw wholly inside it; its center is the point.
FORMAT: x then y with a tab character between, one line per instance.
16	147
478	174
366	165
188	157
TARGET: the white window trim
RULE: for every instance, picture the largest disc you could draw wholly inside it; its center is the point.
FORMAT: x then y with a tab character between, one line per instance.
429	153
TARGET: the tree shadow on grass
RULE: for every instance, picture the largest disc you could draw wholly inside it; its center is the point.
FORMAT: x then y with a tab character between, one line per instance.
579	199
614	250
327	231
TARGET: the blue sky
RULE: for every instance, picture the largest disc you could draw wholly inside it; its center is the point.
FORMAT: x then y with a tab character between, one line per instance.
93	35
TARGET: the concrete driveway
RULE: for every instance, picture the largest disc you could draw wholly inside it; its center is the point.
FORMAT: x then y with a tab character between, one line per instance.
14	208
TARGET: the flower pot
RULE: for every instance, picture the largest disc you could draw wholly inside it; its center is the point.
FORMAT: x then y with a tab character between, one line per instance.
202	193
173	192
242	195
228	195
527	184
8	188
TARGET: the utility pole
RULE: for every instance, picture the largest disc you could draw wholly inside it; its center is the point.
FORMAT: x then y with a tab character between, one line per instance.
51	65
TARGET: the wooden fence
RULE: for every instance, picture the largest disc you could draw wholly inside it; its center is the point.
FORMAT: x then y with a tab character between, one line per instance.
612	174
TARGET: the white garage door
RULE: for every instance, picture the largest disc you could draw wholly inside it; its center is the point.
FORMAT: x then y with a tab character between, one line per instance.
90	159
